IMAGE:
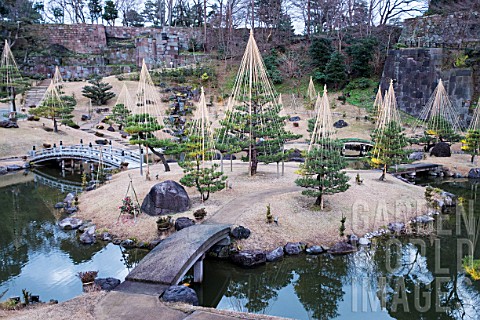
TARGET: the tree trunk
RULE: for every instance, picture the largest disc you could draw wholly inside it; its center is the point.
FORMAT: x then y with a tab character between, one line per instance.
253	161
55	126
473	157
14	106
384	173
162	158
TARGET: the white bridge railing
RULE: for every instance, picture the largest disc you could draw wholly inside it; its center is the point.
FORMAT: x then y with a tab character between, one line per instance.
106	154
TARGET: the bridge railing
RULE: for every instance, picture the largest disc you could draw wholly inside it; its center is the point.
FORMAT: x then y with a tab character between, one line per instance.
108	154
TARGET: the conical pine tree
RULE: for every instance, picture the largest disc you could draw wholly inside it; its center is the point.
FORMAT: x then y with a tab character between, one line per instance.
199	170
252	122
11	81
322	171
472	138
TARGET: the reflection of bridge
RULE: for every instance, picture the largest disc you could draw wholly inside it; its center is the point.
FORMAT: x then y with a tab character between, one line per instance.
57	183
361	145
170	260
106	154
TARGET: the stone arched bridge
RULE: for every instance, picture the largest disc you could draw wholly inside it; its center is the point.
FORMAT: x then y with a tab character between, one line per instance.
106	154
172	258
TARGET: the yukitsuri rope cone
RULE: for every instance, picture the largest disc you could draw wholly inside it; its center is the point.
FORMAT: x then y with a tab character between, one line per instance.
57	79
252	122
388	121
201	127
323	128
377	105
125	99
439	118
311	93
10	76
475	123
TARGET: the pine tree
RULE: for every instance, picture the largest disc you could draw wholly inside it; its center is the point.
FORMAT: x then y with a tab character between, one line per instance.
322	173
203	176
120	114
99	92
252	122
389	147
335	70
472	143
110	12
55	107
142	127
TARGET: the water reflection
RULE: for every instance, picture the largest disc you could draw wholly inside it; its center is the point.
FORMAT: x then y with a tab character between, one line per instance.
414	278
36	255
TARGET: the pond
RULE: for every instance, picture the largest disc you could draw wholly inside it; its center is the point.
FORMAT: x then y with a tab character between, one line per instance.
36	255
405	278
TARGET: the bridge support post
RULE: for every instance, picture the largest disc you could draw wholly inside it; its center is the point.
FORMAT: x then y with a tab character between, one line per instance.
198	270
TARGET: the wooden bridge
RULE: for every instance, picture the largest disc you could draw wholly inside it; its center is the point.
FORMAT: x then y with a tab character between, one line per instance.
414	168
172	258
57	183
101	154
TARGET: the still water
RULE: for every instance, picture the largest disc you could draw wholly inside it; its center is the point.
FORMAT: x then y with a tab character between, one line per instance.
407	278
36	255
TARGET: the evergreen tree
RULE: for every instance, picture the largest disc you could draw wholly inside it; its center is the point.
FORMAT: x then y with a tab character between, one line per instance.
54	108
142	127
322	173
472	143
120	114
110	12
334	73
320	51
95	10
389	147
204	177
99	92
361	52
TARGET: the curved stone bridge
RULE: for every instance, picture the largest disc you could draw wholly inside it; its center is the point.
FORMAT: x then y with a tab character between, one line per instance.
107	154
171	259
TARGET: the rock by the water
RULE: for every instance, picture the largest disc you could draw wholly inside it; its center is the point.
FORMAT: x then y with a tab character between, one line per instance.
128	243
70	223
219	251
183	222
315	250
8	124
59	205
295	118
340	124
69	199
181	294
71	210
353	239
88	236
415	156
14	167
3	170
293	248
396	227
422	219
342	248
165	198
240	232
105	236
249	258
107	284
275	254
364	241
441	149
474	173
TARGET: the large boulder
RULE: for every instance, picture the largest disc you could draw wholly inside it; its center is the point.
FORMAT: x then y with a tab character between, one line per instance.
315	250
275	254
240	232
249	258
342	248
3	170
180	294
69	199
107	284
474	173
164	198
70	223
415	156
8	124
293	248
441	149
88	236
183	222
340	124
